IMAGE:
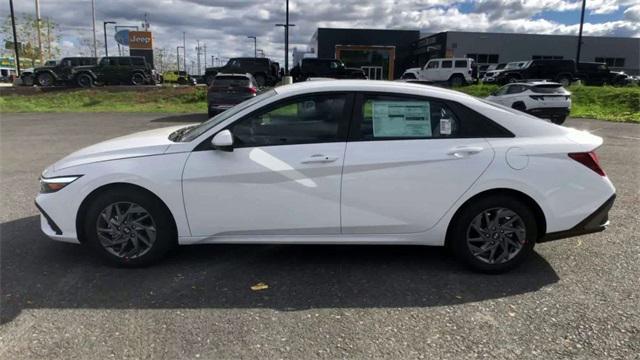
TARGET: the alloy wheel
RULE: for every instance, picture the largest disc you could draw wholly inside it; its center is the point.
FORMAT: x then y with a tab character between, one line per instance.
496	235
126	230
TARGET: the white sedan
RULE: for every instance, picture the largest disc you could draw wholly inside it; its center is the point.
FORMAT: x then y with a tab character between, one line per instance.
335	162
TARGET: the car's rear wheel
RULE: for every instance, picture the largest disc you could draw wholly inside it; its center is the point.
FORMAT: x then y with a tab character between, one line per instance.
565	81
137	79
494	234
84	80
45	79
456	81
129	228
512	79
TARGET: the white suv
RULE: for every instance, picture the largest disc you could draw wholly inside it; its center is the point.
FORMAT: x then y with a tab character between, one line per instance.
455	71
547	100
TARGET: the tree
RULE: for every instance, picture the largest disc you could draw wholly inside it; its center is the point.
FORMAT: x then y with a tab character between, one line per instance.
27	32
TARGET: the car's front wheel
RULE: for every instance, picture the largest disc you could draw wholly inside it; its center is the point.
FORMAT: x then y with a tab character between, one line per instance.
494	234
45	79
137	79
129	228
84	80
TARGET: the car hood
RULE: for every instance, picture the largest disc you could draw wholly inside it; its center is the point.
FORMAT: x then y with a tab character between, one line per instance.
146	143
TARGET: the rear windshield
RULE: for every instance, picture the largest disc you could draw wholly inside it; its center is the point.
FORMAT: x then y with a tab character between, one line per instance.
238	81
548	89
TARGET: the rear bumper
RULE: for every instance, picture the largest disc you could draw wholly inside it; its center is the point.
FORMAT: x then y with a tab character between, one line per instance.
550	112
596	222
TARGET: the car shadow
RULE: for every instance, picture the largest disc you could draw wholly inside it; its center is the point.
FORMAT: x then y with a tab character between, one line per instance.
186	118
37	273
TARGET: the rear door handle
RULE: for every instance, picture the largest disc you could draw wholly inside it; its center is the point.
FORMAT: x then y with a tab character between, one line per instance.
319	158
462	151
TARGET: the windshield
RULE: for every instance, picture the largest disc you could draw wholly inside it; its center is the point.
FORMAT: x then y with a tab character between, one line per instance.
196	131
515	65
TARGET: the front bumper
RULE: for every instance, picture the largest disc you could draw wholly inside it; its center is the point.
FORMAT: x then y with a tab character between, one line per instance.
596	222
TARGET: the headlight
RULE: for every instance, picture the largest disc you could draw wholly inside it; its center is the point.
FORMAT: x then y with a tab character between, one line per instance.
49	185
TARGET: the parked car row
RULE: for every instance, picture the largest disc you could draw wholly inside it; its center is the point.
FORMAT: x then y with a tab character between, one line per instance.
562	71
88	72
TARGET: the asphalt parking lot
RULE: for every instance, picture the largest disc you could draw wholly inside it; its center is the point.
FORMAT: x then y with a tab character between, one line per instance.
576	298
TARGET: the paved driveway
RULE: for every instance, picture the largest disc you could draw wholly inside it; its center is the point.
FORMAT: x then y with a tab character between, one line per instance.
576	298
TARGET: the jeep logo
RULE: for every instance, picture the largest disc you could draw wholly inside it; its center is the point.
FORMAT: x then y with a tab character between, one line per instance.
140	40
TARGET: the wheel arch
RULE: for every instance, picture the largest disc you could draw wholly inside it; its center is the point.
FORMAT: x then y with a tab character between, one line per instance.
50	72
90	73
82	209
540	218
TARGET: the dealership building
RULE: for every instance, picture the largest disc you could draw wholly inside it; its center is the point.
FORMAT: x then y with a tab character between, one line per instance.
385	54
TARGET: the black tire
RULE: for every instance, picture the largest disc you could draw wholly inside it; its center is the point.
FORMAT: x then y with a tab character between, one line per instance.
512	79
84	80
165	234
45	79
137	79
456	81
564	80
559	120
461	226
261	80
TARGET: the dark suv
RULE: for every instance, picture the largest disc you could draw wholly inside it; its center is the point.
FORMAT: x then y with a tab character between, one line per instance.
329	68
263	70
60	73
593	73
115	70
228	90
562	71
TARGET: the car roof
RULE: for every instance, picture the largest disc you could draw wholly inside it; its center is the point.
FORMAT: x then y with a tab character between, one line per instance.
536	83
234	74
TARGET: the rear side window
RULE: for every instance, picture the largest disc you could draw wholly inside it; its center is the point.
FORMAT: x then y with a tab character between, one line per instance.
447	64
137	61
231	81
396	117
461	63
516	89
124	61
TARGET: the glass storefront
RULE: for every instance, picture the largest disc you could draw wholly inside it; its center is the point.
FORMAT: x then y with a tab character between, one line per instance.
376	61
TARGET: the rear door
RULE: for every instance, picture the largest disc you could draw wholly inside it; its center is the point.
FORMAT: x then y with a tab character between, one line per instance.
407	161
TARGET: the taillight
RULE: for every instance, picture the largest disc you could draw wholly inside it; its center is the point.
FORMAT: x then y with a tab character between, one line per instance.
590	160
252	90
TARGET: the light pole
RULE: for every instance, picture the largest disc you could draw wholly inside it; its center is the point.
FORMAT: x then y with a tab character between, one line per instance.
584	4
95	41
255	45
39	32
184	50
15	37
104	26
286	26
178	57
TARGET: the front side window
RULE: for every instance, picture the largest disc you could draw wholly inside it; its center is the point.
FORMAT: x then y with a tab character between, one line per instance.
432	65
390	117
312	119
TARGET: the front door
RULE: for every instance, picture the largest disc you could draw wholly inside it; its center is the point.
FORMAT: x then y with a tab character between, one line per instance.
282	177
407	162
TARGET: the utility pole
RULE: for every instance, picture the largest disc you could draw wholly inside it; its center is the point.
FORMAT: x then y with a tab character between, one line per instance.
39	32
184	50
286	26
584	4
15	37
205	57
49	38
198	55
95	40
178	57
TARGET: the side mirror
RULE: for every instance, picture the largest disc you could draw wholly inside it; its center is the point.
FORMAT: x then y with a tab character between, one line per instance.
223	141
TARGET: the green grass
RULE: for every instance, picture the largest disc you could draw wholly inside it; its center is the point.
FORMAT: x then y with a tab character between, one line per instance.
604	103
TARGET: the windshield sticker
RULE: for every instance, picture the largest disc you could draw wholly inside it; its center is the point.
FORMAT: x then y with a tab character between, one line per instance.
401	119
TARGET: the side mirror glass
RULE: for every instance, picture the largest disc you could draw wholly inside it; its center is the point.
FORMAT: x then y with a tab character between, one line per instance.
223	141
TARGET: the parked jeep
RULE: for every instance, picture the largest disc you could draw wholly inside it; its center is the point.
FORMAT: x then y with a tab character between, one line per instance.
115	70
263	70
593	73
325	68
60	72
454	71
562	71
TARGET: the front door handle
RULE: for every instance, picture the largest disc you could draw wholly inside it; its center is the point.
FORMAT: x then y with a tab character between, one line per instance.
319	158
462	151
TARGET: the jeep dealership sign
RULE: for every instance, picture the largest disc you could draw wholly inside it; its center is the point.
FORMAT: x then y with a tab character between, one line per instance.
140	40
